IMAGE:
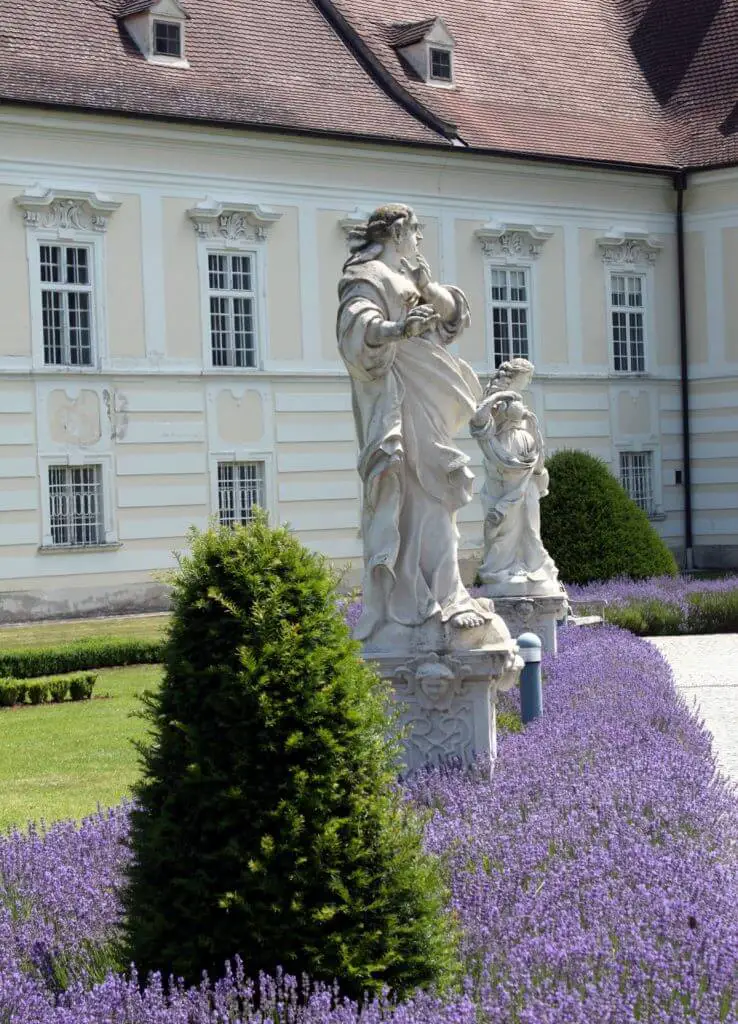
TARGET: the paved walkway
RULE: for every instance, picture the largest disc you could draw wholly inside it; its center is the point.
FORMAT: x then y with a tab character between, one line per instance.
706	669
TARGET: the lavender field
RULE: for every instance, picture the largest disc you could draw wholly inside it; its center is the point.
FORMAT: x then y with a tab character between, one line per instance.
596	879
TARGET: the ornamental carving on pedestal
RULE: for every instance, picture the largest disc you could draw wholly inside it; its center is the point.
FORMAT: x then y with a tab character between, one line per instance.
52	209
512	242
630	247
441	722
234	222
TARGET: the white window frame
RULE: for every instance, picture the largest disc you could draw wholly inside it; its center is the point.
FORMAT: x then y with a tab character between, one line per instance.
649	336
640	448
491	265
168	58
94	243
433	78
107	491
256	251
240	455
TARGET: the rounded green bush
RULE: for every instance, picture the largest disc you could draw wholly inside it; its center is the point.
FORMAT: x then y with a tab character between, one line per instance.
268	821
592	529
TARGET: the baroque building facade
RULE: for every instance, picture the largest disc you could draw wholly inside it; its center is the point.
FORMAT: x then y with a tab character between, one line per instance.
168	353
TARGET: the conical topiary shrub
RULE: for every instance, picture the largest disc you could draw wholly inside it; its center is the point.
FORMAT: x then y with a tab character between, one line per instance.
592	529
268	823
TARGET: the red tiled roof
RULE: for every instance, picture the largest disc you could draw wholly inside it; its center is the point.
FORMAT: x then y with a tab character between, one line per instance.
275	64
640	82
406	35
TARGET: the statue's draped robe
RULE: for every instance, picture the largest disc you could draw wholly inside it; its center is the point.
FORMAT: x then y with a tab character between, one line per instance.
410	397
515	479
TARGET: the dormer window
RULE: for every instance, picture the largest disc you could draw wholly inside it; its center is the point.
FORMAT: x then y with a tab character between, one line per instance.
425	48
167	39
440	64
157	27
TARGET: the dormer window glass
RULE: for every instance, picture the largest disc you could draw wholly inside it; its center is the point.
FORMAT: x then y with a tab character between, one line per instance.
440	64
167	39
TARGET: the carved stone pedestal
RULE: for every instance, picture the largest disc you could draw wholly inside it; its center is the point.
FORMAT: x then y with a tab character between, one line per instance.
537	615
448	700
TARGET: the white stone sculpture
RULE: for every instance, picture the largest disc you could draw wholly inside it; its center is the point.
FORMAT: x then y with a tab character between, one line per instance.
411	396
517	570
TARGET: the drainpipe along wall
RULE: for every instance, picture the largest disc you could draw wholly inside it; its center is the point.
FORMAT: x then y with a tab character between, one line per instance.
680	184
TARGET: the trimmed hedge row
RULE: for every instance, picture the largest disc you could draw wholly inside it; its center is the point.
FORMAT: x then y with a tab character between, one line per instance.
47	691
699	614
78	655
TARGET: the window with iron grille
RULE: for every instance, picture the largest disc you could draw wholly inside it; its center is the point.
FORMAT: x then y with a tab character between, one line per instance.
66	304
75	504
509	313
232	309
636	476
627	322
167	39
240	491
440	64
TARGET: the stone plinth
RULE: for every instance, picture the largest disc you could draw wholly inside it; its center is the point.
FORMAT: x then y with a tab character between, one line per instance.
533	614
448	700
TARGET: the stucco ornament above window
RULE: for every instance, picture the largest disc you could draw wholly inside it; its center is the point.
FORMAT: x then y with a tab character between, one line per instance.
233	222
512	242
65	210
427	47
157	27
634	247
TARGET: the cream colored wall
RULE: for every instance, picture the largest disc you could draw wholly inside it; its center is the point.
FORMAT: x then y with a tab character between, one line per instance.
694	258
297	415
181	281
123	280
15	331
730	290
283	277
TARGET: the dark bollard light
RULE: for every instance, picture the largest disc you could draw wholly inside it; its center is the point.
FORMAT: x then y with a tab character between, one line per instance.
531	695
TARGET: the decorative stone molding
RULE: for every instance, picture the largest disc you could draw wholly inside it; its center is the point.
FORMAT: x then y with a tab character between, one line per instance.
116	406
512	242
537	615
630	247
67	210
234	222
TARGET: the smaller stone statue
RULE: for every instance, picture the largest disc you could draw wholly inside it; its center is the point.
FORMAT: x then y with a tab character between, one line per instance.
515	561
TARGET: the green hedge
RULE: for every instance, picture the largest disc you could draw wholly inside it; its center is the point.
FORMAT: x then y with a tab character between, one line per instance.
81	654
700	614
41	691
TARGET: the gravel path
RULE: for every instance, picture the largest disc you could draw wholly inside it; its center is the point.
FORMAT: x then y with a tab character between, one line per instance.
706	671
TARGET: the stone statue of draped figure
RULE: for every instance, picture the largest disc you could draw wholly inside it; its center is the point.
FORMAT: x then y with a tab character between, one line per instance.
411	396
515	559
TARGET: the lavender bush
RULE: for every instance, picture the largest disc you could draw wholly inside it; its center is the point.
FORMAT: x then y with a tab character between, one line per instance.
664	605
595	879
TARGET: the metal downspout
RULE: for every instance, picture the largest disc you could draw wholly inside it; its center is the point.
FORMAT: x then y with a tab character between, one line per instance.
680	184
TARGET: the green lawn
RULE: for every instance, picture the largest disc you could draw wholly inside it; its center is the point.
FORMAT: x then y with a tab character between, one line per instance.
62	760
44	634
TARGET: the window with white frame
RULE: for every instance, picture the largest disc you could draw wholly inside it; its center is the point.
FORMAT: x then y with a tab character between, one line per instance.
509	313
636	476
76	506
66	304
627	321
232	306
241	490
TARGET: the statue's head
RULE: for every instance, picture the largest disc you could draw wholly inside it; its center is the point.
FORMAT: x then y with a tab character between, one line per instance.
513	375
394	225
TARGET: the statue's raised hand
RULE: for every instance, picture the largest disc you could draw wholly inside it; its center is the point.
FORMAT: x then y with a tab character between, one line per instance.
420	275
418	321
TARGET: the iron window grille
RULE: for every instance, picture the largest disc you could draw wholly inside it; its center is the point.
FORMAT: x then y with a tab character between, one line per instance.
75	503
509	313
232	309
167	39
240	491
66	304
440	64
636	476
627	322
